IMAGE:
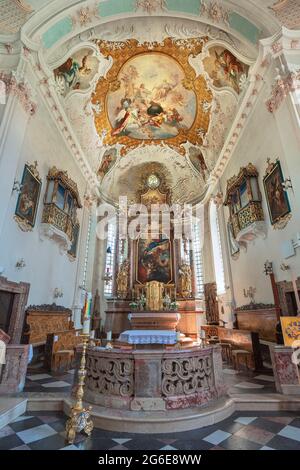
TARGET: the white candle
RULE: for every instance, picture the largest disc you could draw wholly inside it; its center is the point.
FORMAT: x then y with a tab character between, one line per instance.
86	326
178	336
202	334
109	335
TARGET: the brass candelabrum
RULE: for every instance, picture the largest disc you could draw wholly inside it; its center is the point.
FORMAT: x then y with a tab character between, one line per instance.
80	417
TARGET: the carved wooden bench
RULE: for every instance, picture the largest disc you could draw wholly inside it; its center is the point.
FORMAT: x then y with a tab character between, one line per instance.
43	320
60	350
242	340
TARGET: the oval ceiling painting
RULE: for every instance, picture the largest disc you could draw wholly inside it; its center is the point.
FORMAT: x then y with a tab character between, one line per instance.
151	102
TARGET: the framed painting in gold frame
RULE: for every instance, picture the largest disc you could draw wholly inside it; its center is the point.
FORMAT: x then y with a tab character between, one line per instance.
28	200
153	260
277	199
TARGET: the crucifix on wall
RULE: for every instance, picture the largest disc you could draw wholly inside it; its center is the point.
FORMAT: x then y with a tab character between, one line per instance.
250	293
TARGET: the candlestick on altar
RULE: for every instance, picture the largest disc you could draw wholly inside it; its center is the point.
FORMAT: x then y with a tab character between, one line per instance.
108	340
80	417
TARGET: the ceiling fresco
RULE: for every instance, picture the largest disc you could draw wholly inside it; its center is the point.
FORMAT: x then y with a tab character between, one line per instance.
225	69
77	72
182	100
125	97
151	102
152	96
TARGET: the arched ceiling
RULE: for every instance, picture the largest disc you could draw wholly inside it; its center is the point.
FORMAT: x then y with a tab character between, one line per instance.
148	86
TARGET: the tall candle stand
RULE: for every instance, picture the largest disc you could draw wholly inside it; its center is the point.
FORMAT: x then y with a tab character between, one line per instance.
80	417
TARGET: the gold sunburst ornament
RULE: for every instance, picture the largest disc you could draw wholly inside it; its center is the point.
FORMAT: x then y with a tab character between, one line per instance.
152	95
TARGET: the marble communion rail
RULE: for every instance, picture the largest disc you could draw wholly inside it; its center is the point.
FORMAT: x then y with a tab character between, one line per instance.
154	380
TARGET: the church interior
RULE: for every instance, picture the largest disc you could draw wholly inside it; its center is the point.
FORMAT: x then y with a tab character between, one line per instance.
149	225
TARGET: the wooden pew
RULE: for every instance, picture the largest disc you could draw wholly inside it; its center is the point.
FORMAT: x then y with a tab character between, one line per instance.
60	350
239	340
43	320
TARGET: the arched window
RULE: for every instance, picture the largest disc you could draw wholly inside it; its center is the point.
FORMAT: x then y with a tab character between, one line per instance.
217	249
198	260
110	259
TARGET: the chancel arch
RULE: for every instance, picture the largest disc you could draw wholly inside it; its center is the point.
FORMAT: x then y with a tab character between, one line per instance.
149	229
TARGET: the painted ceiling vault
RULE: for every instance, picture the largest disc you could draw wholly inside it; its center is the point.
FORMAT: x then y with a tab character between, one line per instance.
133	102
145	86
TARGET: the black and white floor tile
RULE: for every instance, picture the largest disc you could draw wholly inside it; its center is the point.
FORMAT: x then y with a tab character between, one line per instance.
245	431
40	381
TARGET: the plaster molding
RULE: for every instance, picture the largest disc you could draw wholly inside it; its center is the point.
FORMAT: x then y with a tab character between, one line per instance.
21	89
48	231
282	87
50	14
253	231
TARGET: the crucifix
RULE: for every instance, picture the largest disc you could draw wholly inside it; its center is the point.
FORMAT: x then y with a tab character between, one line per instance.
268	269
250	293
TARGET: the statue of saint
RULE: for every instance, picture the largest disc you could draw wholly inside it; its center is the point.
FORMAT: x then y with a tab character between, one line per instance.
185	274
122	280
142	301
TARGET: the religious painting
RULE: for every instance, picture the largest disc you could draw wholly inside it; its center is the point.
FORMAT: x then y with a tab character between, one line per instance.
75	237
151	95
27	204
108	161
290	329
277	199
77	72
151	102
225	69
197	160
154	261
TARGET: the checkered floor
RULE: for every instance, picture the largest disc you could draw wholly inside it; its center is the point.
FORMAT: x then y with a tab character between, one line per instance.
242	431
243	382
41	381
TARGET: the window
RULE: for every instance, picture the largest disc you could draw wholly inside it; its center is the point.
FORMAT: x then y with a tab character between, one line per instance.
110	258
217	249
198	260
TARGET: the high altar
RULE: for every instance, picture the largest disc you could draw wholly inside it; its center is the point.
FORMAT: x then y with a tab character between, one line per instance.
155	361
154	274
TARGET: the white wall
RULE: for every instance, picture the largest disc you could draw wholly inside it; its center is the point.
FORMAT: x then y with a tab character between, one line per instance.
273	136
46	267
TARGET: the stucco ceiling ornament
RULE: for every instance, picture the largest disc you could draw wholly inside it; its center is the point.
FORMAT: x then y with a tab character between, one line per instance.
281	89
152	104
21	90
214	12
84	16
151	6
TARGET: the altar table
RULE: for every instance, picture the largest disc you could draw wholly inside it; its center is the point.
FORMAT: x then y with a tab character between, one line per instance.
148	337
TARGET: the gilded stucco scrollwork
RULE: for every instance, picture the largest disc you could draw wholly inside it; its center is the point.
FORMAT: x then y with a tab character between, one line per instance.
186	376
110	376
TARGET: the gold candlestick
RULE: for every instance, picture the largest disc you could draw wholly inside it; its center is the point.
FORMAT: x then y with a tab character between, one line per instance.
80	418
